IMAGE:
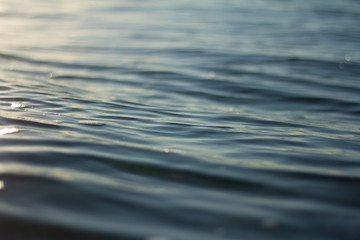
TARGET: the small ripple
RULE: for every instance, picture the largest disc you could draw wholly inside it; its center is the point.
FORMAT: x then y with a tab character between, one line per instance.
91	122
28	122
3	88
59	64
68	175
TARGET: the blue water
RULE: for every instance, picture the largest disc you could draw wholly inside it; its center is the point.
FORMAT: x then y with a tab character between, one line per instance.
179	120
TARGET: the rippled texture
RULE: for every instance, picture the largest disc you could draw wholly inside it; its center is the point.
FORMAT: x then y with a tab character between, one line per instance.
179	120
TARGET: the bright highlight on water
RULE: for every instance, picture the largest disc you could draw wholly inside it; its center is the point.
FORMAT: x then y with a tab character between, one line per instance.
8	131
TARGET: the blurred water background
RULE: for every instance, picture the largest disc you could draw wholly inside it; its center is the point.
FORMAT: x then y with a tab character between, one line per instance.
179	120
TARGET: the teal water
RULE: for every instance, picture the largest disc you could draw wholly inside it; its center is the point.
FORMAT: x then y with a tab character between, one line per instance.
179	120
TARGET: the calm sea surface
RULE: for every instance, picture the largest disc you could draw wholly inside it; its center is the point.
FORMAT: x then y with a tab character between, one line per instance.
179	120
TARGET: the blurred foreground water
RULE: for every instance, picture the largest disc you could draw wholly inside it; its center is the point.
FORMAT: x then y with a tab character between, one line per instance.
179	120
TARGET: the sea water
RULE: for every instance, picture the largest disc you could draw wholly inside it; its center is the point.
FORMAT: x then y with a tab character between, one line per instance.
179	120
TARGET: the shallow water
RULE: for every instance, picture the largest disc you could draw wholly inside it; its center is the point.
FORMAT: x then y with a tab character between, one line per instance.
178	120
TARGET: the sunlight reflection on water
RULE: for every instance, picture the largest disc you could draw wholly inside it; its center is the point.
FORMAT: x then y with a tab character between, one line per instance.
5	131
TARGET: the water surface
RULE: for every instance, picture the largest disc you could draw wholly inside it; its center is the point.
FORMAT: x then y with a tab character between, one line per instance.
178	120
